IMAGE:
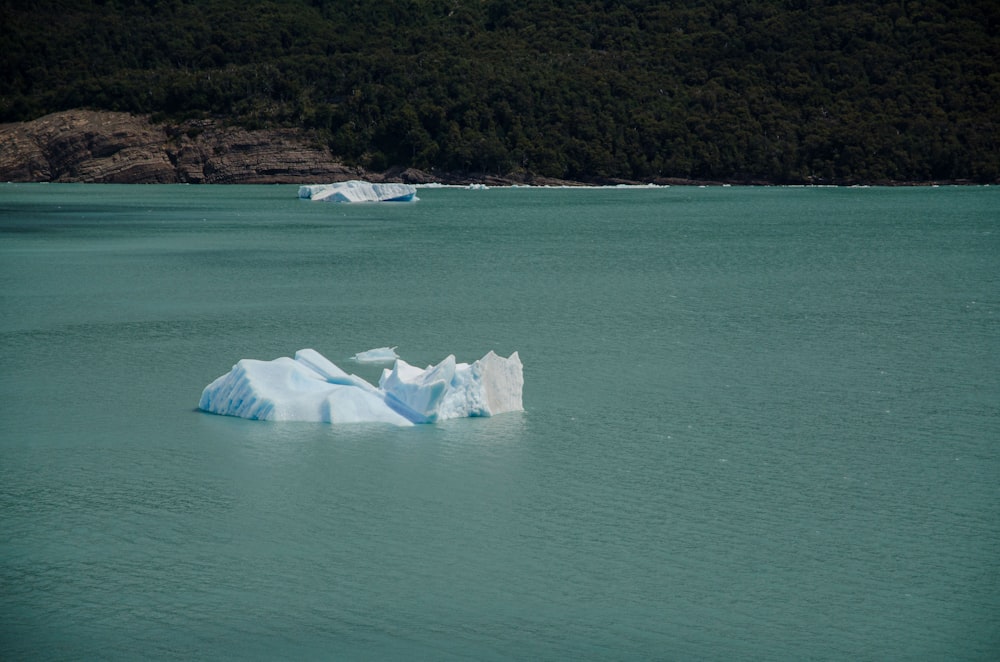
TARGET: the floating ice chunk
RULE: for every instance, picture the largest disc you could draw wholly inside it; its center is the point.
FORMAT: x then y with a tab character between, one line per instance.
359	191
377	355
492	385
294	390
311	388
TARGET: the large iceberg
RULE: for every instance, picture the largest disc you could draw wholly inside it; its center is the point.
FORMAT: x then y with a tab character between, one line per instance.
311	388
358	191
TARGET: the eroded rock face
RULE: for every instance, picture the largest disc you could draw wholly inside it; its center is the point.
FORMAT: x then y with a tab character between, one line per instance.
109	147
207	152
84	146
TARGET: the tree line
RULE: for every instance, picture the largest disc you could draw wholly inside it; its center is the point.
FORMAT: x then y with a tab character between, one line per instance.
786	91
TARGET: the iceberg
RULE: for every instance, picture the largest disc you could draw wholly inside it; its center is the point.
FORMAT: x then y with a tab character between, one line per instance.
359	191
309	387
377	355
490	386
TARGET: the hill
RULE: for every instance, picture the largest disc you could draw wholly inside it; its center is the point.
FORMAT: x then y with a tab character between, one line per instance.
793	91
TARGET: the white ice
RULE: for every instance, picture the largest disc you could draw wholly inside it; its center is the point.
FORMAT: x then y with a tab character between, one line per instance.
359	191
489	386
377	355
311	388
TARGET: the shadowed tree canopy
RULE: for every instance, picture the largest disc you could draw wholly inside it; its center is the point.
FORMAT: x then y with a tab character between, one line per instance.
739	90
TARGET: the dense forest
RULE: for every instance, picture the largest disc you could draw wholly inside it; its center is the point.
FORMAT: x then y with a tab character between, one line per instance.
820	91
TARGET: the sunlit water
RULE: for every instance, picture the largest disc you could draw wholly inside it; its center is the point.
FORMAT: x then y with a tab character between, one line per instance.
761	423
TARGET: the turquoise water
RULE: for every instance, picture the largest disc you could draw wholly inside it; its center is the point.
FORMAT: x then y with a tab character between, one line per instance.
761	423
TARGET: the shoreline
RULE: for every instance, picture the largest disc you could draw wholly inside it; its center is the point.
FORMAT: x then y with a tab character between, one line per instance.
89	146
559	184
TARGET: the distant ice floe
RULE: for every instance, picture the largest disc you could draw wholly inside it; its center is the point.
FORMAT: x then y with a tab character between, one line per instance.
311	388
377	355
359	191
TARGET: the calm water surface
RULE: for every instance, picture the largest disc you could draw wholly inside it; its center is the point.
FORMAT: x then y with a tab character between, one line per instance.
761	423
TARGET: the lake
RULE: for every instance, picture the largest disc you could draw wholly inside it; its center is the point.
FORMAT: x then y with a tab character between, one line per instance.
760	423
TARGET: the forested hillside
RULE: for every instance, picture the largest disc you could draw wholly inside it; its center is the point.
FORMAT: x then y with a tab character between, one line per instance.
741	90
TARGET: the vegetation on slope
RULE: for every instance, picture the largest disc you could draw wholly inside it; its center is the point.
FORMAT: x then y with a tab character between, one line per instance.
777	90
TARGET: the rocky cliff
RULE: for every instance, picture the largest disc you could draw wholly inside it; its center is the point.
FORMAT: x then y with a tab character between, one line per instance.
89	146
121	148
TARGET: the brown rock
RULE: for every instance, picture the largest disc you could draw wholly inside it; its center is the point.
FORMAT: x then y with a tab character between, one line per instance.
84	146
91	146
208	152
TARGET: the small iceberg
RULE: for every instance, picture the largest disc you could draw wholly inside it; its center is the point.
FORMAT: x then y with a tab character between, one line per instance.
311	388
358	191
377	355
